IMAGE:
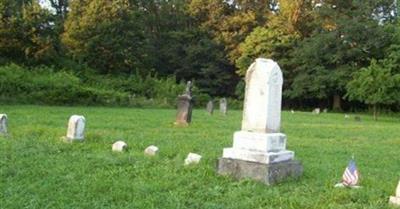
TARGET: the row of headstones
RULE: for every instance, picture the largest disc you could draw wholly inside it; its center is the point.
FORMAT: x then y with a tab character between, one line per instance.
223	106
317	111
76	129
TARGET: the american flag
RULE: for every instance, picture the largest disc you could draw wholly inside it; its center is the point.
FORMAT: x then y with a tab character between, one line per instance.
350	175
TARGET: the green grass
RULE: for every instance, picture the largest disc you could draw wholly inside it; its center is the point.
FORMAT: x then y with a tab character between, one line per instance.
39	170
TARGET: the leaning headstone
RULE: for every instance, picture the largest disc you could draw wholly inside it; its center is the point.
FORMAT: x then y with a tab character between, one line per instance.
259	149
210	107
151	150
119	146
223	106
184	106
3	124
76	128
316	111
192	158
395	200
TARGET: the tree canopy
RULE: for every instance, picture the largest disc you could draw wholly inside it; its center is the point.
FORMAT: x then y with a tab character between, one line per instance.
323	47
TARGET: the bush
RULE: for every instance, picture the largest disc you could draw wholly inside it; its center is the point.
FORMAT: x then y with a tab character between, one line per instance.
44	85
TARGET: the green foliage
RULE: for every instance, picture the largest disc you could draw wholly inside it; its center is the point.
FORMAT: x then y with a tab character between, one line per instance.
44	85
230	22
376	84
26	32
263	42
106	35
318	44
346	38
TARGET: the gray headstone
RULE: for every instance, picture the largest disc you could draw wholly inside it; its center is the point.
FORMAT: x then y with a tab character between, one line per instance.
223	106
259	149
210	107
184	106
3	124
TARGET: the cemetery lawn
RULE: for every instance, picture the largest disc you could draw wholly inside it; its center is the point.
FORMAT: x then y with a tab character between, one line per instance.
39	170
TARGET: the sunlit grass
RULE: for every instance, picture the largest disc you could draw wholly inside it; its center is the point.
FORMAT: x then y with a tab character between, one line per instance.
39	170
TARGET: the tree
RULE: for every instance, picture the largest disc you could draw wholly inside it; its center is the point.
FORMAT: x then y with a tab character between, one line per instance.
347	37
229	22
274	40
108	35
374	85
26	32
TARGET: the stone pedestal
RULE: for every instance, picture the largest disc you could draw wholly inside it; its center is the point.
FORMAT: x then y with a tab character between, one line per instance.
184	110
395	200
268	174
259	156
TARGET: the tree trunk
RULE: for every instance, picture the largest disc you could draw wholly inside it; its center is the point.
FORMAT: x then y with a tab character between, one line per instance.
375	113
337	102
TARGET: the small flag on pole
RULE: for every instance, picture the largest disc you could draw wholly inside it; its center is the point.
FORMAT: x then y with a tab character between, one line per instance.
350	176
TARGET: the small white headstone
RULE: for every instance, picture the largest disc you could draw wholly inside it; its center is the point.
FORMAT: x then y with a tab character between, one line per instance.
316	111
292	111
325	110
76	127
396	199
119	146
346	116
151	150
192	158
3	124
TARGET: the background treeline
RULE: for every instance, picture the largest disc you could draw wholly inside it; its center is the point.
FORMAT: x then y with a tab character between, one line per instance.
334	53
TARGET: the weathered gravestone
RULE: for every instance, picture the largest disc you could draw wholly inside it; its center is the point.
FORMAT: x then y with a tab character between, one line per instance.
396	199
192	158
3	124
259	149
151	150
76	128
210	107
223	106
119	146
184	106
316	111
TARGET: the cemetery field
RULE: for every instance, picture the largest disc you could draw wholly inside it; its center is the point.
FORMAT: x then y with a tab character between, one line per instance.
39	170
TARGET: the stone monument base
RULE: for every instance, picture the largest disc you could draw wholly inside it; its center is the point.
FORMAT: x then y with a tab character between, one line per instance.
394	200
267	173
